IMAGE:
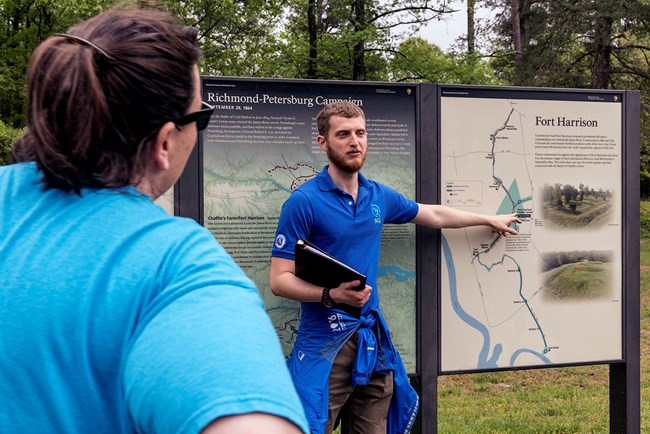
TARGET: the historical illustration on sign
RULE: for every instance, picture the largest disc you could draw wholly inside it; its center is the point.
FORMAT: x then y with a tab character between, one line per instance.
551	294
261	145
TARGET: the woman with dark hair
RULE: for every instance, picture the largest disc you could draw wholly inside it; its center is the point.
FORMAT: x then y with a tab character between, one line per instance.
114	316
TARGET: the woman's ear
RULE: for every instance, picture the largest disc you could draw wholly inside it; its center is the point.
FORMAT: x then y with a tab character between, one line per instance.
161	147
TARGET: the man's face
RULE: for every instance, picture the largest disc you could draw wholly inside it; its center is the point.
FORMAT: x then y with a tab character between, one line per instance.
346	143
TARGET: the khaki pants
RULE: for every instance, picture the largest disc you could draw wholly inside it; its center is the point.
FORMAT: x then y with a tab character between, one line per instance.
362	409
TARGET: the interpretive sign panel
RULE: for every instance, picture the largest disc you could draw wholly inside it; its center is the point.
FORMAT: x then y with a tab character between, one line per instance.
261	145
551	294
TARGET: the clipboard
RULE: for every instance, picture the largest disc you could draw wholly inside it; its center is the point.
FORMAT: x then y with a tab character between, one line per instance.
320	268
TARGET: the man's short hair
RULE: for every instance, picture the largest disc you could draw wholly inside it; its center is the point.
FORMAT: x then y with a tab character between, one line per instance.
344	109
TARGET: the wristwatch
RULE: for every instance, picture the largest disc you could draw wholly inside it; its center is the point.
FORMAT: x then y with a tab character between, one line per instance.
326	300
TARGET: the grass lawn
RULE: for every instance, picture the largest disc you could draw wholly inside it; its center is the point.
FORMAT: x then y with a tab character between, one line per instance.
579	281
556	400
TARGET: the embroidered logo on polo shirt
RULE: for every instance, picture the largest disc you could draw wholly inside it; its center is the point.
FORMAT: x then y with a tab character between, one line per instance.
376	212
280	241
336	322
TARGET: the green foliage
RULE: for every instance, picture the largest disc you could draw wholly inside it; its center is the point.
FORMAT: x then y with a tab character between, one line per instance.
335	49
564	43
23	25
419	60
645	220
645	184
350	39
238	37
7	136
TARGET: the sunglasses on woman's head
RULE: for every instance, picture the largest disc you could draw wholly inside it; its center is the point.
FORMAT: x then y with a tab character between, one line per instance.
201	117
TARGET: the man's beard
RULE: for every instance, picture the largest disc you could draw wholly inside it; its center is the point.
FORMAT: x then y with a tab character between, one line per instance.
350	166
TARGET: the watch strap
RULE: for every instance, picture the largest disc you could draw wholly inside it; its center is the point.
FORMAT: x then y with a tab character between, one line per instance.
326	300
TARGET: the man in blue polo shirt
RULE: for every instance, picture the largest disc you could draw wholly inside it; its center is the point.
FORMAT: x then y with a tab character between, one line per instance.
344	366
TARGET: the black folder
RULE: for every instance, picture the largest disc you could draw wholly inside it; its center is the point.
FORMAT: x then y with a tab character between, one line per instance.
320	268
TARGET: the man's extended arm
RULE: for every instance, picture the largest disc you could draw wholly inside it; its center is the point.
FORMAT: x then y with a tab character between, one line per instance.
440	216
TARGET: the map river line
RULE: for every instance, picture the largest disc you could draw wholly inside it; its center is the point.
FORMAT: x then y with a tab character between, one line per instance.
511	200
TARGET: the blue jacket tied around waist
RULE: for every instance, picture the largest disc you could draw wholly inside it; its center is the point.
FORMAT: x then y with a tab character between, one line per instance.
314	352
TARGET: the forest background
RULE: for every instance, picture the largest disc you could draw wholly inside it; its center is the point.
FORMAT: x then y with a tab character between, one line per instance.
596	44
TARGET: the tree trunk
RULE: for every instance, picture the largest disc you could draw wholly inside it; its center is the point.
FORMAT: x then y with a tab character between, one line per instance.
516	33
359	63
312	27
602	50
524	23
471	36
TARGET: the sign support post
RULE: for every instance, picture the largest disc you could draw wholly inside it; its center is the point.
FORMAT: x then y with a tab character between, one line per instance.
624	377
428	256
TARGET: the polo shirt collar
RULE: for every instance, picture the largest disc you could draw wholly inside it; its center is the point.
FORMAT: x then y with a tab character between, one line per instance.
325	182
